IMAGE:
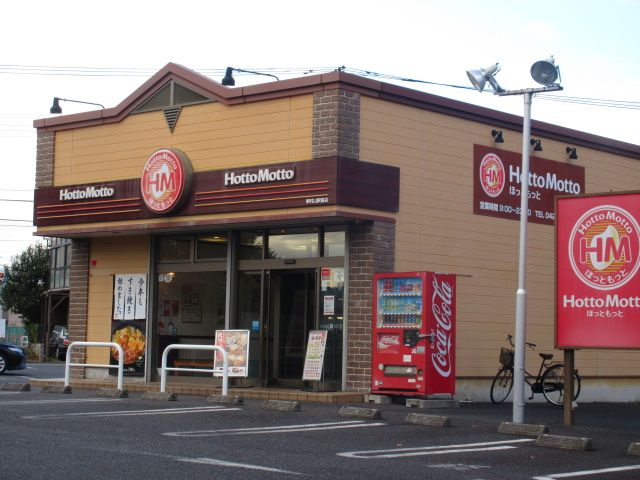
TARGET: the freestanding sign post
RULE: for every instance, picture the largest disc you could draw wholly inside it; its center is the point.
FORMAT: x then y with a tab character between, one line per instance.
597	280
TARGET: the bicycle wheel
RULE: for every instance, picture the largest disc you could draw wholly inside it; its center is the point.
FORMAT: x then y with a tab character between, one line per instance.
502	385
553	384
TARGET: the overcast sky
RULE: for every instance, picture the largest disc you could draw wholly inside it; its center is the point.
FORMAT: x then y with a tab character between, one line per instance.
116	46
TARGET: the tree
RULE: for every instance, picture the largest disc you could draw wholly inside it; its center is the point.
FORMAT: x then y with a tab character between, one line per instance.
25	281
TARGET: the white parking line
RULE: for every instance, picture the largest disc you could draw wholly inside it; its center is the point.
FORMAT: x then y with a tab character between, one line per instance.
309	427
126	413
584	473
435	450
222	463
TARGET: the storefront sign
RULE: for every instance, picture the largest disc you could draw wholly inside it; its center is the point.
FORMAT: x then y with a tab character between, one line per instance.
597	280
263	175
130	296
165	180
236	344
314	358
497	184
85	193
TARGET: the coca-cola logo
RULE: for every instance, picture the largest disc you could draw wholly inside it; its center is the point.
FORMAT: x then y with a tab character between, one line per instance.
389	339
441	302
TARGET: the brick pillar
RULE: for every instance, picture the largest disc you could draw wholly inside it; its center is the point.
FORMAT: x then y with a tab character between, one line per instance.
336	124
44	159
371	250
79	301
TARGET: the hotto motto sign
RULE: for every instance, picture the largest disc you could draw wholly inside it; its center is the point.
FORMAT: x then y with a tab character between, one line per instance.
165	180
598	258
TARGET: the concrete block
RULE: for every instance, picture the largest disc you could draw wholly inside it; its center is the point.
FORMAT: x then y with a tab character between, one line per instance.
358	412
55	389
161	396
111	393
634	449
525	429
281	405
563	442
432	403
225	399
16	387
379	399
427	420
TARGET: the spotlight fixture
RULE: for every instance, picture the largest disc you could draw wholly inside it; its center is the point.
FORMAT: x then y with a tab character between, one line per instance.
55	108
229	81
545	72
573	153
497	136
480	77
537	144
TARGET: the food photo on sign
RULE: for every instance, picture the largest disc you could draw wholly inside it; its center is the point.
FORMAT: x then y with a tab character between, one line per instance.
236	344
130	336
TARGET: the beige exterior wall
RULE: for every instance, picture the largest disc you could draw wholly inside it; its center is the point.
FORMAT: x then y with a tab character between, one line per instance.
436	230
112	255
214	135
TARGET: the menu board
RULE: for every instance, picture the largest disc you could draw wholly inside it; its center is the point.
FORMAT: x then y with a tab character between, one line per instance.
315	355
236	344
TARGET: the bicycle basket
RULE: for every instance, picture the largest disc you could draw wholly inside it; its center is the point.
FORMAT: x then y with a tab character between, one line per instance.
506	357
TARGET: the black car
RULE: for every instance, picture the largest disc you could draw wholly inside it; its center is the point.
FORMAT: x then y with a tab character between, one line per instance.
12	357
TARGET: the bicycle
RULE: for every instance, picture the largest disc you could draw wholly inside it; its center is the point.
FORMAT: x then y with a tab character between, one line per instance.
549	381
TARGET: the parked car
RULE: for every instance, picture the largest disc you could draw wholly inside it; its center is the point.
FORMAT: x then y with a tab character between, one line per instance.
59	341
12	357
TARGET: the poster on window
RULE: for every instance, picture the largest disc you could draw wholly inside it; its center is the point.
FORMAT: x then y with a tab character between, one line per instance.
314	358
236	344
130	296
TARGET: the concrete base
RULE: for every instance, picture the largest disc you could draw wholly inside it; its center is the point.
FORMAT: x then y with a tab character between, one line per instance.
522	429
225	399
16	387
162	396
564	443
111	393
281	405
379	399
364	413
427	420
634	449
432	403
55	389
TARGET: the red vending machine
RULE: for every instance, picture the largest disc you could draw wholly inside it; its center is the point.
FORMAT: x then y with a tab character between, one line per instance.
414	325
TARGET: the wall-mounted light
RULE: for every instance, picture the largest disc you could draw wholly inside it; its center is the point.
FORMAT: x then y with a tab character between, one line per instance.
229	81
573	153
536	143
55	108
497	136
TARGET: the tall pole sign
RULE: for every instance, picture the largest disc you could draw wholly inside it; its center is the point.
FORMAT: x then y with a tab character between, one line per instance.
597	278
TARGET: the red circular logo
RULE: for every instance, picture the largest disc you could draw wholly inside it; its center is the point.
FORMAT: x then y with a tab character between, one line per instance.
165	180
604	246
492	175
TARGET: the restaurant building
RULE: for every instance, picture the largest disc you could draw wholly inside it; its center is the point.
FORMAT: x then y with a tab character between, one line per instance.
193	207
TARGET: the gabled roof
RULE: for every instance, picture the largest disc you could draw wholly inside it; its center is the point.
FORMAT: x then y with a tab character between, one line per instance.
337	79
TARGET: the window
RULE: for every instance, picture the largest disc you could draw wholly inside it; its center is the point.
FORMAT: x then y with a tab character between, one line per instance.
174	249
293	243
251	245
212	246
334	242
171	95
60	263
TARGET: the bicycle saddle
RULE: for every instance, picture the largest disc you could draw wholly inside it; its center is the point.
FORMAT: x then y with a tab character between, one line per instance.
547	356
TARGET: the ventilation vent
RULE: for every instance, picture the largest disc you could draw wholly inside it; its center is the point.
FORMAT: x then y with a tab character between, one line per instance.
171	115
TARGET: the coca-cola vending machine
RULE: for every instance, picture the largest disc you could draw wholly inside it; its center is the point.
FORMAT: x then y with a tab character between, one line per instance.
414	320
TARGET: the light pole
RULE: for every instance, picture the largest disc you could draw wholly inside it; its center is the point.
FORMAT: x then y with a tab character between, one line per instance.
546	73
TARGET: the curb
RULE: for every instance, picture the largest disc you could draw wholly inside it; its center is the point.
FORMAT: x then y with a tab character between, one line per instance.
357	412
427	420
55	389
162	396
111	393
634	449
281	405
530	430
225	399
16	387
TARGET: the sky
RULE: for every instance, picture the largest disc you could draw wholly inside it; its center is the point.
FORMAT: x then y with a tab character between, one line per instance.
102	51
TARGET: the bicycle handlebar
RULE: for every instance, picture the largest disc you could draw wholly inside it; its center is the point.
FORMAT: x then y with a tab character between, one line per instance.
530	345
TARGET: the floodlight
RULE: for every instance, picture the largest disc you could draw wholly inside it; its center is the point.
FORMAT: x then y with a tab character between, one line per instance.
545	72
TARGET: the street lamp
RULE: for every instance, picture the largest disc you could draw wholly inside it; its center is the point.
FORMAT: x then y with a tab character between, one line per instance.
546	73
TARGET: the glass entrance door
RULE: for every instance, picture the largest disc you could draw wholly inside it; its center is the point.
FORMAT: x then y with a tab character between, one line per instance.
291	314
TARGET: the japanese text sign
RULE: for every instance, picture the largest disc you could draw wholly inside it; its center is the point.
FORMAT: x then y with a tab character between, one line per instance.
497	184
130	296
597	279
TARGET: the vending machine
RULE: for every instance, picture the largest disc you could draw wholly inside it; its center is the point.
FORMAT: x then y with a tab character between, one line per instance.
414	326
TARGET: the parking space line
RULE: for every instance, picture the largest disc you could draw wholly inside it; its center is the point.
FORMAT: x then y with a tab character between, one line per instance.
309	427
584	473
125	413
436	450
222	463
